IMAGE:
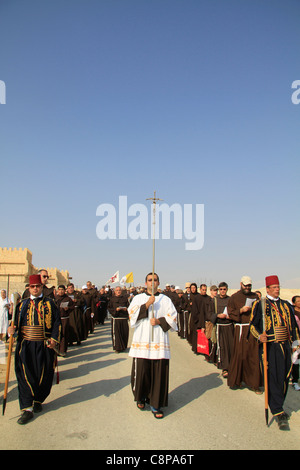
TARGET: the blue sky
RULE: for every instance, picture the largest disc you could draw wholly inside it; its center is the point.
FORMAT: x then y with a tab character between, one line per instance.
189	98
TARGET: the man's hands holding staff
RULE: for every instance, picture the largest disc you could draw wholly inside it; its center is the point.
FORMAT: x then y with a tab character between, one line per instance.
153	321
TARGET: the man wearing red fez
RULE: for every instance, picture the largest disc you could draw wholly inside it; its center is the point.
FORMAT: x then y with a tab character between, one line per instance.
279	333
47	291
38	327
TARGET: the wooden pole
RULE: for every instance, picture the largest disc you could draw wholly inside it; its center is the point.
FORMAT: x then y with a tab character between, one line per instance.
265	362
11	341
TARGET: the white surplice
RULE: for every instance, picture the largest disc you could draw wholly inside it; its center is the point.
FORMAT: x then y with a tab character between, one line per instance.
142	344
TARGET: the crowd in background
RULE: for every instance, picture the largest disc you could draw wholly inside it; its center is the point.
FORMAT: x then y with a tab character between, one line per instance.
210	311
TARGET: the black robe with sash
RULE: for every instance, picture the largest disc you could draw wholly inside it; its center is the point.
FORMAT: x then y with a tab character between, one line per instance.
37	322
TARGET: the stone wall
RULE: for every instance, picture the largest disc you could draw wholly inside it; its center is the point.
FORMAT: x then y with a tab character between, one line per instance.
16	267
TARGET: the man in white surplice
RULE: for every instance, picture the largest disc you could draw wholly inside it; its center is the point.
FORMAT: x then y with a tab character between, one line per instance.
150	348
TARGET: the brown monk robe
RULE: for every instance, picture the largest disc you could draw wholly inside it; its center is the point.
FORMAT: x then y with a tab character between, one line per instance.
88	311
186	310
117	307
198	317
244	364
222	343
75	321
191	333
65	305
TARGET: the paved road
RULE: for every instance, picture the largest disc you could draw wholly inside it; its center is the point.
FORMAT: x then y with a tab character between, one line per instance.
92	407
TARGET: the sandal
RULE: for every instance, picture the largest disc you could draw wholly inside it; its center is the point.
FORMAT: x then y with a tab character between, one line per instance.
158	414
140	405
225	374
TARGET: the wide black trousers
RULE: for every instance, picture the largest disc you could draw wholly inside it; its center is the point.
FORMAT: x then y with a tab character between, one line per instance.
34	368
279	369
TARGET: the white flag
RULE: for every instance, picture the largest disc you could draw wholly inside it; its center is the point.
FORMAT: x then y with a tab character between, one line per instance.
114	278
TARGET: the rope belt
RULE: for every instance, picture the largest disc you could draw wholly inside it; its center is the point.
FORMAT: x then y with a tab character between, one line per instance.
241	324
33	333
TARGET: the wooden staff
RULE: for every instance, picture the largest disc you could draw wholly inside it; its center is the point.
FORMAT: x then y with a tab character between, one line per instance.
265	361
11	341
153	199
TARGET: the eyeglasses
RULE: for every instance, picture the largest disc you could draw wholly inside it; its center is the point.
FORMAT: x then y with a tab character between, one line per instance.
45	277
35	285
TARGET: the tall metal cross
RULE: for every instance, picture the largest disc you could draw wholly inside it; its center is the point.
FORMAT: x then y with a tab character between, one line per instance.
153	199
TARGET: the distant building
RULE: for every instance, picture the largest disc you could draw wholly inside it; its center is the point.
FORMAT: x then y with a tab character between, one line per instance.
16	267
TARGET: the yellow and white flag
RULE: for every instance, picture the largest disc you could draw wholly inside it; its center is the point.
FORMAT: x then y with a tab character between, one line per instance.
127	279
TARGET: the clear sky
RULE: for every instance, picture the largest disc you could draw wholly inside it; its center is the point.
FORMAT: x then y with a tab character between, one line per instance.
188	98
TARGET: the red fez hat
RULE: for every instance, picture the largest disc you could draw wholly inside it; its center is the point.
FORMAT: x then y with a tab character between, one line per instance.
35	279
272	280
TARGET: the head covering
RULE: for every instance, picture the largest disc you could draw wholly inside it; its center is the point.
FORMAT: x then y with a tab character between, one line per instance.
246	280
35	279
214	287
272	280
187	284
84	287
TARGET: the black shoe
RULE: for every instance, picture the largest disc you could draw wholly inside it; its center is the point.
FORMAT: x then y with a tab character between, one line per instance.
37	407
25	417
286	415
282	422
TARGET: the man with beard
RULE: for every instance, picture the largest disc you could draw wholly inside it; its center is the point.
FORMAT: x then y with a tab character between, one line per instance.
117	307
244	364
151	316
279	332
222	348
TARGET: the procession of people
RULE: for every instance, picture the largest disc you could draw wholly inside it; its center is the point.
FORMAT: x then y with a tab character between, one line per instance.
50	320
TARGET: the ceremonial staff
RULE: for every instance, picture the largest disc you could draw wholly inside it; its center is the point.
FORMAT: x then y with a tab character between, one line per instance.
153	199
11	341
265	360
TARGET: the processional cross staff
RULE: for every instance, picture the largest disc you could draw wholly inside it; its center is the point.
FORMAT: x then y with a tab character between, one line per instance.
153	199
